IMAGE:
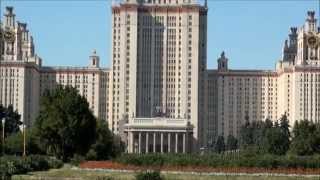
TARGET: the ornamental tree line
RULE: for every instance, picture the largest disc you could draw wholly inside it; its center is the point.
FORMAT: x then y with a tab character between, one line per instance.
267	137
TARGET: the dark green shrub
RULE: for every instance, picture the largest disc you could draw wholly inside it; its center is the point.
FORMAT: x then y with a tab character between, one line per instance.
149	175
77	159
19	165
91	155
54	163
105	178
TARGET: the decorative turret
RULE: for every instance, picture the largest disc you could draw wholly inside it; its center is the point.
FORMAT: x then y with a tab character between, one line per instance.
9	20
293	36
311	22
94	60
223	62
289	51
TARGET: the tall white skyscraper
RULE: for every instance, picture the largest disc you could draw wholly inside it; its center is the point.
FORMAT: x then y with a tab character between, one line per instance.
158	62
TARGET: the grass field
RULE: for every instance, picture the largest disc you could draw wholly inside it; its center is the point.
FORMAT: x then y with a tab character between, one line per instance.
67	173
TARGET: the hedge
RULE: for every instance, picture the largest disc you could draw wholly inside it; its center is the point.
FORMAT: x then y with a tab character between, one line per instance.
10	165
219	160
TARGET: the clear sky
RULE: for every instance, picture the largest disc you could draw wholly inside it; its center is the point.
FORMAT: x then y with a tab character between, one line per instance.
251	32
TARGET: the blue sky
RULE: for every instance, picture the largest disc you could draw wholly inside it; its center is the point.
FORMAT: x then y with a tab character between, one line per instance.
250	32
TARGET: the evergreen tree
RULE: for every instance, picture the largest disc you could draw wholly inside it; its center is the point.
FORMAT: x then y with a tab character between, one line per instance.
285	133
220	145
246	134
232	143
268	123
284	125
276	141
304	141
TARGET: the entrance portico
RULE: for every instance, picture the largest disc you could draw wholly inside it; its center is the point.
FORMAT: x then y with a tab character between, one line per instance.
159	135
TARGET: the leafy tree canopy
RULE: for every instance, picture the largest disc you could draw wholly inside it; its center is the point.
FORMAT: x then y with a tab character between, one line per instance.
105	143
220	145
306	138
266	136
12	120
65	125
232	143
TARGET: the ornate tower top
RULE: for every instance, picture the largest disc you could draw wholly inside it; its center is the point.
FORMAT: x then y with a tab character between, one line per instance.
222	54
9	10
94	60
9	16
293	30
311	22
223	62
94	52
17	40
311	15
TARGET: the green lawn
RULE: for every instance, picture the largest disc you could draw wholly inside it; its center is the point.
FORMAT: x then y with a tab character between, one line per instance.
70	174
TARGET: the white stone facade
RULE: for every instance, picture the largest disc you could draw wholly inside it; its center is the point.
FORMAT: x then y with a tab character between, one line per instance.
292	89
159	63
23	78
159	135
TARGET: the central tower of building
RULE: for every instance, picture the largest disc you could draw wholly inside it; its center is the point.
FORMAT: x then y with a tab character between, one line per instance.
158	62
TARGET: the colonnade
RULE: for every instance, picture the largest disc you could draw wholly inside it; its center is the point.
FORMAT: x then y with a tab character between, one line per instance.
159	142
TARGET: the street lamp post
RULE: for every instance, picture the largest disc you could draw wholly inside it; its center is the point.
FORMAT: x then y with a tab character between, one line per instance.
3	123
24	140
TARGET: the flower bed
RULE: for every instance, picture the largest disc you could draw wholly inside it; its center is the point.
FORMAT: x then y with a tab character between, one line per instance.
198	169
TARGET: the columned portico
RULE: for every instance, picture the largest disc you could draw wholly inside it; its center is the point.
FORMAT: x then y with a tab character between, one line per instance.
167	135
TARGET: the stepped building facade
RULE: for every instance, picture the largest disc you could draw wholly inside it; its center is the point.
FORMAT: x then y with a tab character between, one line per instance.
158	95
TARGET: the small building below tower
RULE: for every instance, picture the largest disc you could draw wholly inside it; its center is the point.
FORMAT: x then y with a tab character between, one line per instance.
159	135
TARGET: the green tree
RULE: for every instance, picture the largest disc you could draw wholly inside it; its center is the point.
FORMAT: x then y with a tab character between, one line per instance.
14	143
276	141
258	129
316	143
232	143
220	145
304	141
65	125
246	134
268	123
12	120
285	133
104	147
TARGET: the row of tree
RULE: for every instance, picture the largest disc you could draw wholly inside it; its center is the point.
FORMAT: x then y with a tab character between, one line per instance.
274	138
64	128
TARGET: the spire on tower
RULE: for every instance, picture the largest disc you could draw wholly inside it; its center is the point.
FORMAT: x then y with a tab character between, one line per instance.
223	62
94	60
311	15
311	22
9	10
286	46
